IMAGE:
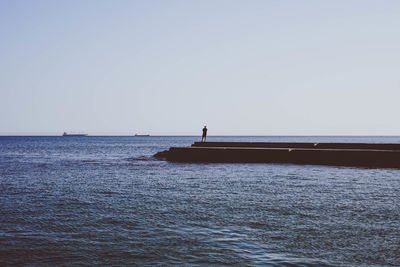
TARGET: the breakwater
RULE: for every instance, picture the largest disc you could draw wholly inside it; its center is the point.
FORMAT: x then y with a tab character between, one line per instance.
338	154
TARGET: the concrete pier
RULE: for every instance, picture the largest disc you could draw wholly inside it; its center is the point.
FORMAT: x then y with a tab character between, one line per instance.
375	146
338	154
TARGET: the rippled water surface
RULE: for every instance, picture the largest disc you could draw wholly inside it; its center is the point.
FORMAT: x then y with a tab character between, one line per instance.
106	201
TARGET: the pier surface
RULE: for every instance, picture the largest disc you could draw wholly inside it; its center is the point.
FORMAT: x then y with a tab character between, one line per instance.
338	154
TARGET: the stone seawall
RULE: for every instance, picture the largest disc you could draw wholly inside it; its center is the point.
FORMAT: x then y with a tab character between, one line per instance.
338	154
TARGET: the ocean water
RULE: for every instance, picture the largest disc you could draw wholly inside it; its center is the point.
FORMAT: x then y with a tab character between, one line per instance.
107	201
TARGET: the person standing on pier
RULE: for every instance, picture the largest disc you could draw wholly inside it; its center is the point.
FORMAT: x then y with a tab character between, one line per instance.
204	136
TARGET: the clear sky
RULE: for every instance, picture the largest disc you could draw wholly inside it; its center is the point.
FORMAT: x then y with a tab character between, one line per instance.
170	67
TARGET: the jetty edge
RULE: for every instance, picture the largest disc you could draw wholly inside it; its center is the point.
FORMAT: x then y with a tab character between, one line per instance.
371	155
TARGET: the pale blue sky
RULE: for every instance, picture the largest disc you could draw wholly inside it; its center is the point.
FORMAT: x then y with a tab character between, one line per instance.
169	67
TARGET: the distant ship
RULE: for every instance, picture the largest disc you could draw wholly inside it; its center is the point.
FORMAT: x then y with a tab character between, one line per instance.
142	135
74	134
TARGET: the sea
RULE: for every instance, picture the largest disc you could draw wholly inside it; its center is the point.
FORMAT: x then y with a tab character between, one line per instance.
105	200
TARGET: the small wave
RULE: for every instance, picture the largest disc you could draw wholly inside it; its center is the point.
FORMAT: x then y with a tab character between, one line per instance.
237	242
89	161
142	158
107	192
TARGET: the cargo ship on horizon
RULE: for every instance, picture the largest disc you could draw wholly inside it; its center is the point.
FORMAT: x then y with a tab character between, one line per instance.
74	134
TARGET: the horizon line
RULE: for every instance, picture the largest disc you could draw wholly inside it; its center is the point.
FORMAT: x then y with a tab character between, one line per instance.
191	135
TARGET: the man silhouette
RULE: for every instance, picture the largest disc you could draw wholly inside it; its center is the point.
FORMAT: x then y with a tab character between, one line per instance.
204	136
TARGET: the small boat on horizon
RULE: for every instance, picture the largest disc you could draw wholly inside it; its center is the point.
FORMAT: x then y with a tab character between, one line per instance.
142	135
74	134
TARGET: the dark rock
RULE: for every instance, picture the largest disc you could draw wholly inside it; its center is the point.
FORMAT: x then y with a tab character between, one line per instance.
162	154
